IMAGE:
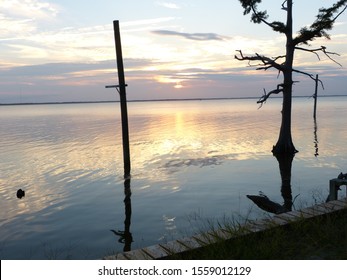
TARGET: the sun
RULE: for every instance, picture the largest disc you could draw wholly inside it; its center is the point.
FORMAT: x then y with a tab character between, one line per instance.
178	86
175	82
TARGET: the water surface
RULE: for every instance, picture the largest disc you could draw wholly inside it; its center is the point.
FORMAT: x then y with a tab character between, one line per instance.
193	162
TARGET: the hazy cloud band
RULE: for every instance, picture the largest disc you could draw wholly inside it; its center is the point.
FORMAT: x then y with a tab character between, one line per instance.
191	36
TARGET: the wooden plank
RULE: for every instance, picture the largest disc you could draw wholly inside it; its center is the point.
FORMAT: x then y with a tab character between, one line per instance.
203	239
136	255
327	206
220	234
155	252
335	205
260	225
306	215
279	221
323	209
340	203
189	243
239	231
287	217
295	214
311	212
174	247
318	209
119	256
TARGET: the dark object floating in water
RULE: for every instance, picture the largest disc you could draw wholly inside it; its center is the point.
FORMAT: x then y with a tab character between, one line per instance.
20	193
263	202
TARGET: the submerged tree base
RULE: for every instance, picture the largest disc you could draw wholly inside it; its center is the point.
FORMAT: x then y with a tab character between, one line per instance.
284	149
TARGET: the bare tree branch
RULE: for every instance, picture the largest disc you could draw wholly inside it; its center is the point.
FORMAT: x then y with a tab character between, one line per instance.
266	64
307	50
340	13
311	76
284	7
266	95
321	49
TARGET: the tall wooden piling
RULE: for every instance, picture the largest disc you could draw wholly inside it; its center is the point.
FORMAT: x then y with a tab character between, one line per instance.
123	100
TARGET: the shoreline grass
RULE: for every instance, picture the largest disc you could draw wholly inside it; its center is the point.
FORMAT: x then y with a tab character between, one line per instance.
318	238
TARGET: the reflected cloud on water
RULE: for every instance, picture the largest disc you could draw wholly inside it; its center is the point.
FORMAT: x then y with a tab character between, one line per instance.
185	156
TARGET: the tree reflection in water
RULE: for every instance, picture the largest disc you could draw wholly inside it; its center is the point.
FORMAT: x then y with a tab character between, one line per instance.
285	166
263	202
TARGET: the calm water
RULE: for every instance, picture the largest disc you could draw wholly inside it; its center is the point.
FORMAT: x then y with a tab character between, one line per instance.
193	162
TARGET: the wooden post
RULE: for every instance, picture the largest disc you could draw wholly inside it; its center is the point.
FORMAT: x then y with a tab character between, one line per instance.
315	98
123	100
334	187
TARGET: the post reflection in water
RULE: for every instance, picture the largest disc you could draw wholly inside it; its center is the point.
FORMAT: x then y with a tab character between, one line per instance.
315	136
125	235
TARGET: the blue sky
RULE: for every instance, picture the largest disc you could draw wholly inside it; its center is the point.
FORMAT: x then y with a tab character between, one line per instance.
63	50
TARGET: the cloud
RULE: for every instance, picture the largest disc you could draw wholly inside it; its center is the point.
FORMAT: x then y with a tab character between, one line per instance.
21	23
67	44
26	43
191	36
34	9
340	23
48	76
51	69
13	29
168	5
144	22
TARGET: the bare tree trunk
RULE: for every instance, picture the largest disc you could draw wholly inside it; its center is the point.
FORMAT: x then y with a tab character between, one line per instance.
284	143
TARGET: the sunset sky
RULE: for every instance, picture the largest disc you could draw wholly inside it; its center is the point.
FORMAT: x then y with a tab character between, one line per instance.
63	50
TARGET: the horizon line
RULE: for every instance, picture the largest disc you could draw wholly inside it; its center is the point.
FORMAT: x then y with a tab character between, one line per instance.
156	100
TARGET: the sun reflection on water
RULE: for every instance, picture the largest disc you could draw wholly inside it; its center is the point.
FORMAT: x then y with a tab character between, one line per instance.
183	137
184	155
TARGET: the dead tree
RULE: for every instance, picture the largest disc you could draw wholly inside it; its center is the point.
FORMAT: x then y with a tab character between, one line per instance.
283	64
